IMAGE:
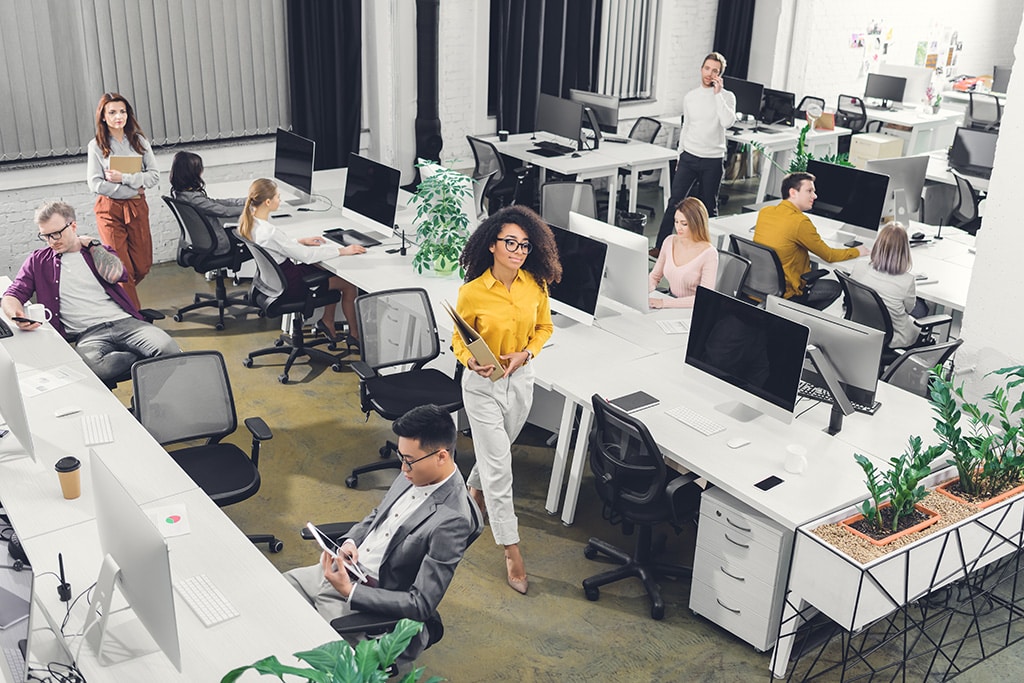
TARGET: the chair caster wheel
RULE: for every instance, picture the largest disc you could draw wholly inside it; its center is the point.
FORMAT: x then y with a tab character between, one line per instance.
196	299
283	378
176	317
336	367
261	314
658	612
247	363
384	452
219	326
592	593
279	342
351	481
589	552
276	546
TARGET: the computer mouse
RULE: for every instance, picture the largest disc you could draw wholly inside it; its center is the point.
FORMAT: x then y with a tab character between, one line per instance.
575	155
737	442
917	236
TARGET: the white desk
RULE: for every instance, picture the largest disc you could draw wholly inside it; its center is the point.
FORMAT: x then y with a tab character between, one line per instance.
921	131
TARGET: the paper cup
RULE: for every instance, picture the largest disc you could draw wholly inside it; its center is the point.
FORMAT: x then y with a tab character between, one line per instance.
69	471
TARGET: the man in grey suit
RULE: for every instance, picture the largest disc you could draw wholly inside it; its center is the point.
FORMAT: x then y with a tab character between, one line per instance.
411	543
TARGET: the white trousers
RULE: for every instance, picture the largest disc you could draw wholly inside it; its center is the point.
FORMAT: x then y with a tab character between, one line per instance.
497	412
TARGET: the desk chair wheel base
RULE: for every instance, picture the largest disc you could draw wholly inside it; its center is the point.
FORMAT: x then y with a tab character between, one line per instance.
283	378
352	481
275	544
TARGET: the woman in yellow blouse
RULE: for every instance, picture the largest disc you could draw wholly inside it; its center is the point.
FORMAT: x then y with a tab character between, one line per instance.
509	261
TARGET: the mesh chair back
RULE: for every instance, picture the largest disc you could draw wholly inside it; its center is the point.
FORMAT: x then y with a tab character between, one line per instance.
269	281
183	397
645	129
557	199
732	272
397	327
765	275
805	104
983	111
850	113
864	305
196	231
966	208
487	160
911	370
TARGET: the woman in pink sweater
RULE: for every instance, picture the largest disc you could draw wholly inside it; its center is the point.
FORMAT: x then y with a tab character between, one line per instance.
687	258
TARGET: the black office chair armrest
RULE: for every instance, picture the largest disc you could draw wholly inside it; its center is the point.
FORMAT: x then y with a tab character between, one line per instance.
336	530
927	322
258	428
814	275
363	370
363	622
151	314
676	496
311	280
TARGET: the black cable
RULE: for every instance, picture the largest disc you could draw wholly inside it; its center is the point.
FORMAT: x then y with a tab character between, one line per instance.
324	198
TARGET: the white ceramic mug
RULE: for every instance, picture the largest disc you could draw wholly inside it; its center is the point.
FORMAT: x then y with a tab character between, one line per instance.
796	458
38	312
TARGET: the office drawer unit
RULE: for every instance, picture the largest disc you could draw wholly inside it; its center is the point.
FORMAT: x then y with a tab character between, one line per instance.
739	569
865	146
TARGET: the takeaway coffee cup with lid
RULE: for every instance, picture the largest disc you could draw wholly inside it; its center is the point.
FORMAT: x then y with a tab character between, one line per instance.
69	471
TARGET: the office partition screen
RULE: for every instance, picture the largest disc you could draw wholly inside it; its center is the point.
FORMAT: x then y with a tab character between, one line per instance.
849	194
748	95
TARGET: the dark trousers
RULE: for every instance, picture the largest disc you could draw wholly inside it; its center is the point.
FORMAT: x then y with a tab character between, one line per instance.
821	295
690	170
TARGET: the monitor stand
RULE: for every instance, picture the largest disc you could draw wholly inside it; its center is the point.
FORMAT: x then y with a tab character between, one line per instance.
738	411
562	321
302	199
118	635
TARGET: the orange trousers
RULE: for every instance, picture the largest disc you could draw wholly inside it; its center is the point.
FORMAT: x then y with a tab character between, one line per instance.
123	224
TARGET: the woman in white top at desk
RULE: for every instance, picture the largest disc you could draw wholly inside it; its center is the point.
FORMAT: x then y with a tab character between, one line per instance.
295	256
187	185
889	274
687	258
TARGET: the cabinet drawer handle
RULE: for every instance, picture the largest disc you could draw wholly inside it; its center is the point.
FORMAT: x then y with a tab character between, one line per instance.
731	576
742	545
741	528
734	611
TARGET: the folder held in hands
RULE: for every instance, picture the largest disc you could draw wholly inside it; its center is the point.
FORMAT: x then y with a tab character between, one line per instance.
475	343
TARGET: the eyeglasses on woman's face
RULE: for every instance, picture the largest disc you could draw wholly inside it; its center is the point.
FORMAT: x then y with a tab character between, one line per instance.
512	245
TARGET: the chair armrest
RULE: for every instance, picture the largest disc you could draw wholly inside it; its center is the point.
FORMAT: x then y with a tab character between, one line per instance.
336	530
258	428
676	495
151	314
311	280
363	370
929	321
363	622
814	275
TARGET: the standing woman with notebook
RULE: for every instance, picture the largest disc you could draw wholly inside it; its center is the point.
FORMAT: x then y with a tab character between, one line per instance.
121	166
509	261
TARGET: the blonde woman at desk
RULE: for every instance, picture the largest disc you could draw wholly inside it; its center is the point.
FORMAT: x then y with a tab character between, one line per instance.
888	273
296	256
509	260
687	258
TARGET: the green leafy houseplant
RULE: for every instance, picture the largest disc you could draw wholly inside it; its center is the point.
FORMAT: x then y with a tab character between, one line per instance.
442	227
802	155
987	455
899	486
337	662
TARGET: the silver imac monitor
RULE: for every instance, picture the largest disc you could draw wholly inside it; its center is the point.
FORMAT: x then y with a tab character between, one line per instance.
854	350
12	412
371	193
582	258
293	164
906	185
918	78
625	266
136	561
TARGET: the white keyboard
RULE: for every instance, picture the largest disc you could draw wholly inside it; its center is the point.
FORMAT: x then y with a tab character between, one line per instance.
695	420
15	663
673	326
205	599
96	429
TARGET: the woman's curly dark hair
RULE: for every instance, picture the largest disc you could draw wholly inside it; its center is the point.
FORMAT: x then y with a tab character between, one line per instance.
542	263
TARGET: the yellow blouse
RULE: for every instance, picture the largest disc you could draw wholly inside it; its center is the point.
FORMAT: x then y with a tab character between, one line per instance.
508	320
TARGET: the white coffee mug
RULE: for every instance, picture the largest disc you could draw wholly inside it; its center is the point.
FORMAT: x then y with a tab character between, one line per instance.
38	312
796	458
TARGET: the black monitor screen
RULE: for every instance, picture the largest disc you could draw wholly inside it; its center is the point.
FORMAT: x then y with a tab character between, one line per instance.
751	349
778	107
559	117
293	160
748	95
973	151
605	108
885	88
849	194
582	261
371	189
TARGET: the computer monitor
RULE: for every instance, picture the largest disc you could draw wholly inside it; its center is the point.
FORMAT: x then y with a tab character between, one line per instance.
605	108
748	95
371	191
888	89
563	118
293	164
626	263
973	151
854	350
756	356
906	185
13	413
582	260
778	106
918	80
135	560
851	195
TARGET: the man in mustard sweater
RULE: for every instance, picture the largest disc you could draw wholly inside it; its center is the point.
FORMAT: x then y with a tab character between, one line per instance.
786	229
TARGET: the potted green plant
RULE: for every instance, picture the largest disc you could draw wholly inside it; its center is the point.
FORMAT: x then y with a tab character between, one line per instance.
442	226
802	155
337	662
895	496
988	453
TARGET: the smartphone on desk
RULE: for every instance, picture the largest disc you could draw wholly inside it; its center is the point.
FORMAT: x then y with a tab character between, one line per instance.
356	571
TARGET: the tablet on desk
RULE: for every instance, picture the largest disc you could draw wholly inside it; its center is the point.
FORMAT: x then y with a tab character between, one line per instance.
347	236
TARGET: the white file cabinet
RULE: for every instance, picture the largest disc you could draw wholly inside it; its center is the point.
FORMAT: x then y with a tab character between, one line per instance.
739	569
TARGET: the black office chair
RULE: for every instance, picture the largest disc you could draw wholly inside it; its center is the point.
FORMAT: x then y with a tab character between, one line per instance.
268	286
732	273
965	214
805	104
186	397
911	370
984	112
197	249
645	129
559	197
399	338
637	489
864	305
766	275
490	168
850	113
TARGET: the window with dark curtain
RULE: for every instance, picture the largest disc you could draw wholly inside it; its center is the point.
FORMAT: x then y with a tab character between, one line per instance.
734	28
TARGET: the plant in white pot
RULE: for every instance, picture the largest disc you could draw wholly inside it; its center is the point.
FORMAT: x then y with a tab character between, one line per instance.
442	226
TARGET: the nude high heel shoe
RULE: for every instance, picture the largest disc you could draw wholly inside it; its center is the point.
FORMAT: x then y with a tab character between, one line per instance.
519	585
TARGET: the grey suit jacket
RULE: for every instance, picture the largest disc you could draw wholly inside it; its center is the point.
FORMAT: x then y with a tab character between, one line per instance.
421	558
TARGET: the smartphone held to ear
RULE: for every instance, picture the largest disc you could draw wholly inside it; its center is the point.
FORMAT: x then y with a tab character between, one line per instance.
355	571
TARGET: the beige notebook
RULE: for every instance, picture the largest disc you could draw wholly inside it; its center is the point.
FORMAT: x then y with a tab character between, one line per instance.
126	164
475	343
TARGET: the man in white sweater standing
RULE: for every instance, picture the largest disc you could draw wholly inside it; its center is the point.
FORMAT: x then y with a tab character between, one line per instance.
708	110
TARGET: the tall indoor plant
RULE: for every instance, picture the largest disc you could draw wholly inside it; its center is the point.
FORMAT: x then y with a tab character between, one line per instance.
442	226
